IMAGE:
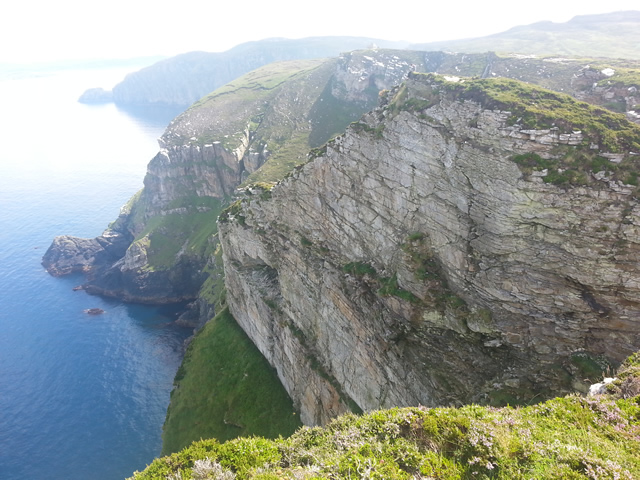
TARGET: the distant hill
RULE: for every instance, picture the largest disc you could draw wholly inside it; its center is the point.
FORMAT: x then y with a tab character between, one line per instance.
183	79
613	35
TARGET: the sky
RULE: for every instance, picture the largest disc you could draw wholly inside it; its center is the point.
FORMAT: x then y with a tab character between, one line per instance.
44	30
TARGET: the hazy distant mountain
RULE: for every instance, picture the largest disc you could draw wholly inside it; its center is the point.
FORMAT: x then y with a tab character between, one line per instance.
183	79
614	35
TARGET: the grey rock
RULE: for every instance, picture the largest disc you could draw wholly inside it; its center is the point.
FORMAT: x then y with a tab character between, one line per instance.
528	274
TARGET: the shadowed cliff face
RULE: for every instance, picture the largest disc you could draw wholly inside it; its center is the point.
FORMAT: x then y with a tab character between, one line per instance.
415	262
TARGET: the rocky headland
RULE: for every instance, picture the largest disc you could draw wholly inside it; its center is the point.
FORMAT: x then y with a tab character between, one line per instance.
399	238
259	127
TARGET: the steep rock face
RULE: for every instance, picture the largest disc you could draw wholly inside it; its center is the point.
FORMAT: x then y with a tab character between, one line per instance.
192	170
415	263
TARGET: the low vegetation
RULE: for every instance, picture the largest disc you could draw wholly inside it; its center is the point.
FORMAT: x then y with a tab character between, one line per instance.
184	231
564	438
534	107
224	389
574	167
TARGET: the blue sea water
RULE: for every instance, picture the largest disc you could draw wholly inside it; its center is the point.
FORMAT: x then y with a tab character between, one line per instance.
81	397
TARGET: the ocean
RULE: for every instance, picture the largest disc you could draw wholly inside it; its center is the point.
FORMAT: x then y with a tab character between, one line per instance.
81	397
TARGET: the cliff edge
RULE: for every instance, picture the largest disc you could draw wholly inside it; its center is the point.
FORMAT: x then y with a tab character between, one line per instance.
571	437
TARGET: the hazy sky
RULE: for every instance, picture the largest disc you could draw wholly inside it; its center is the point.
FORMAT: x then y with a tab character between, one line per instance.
45	30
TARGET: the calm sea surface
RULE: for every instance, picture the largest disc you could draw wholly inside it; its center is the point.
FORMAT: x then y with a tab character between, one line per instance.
81	397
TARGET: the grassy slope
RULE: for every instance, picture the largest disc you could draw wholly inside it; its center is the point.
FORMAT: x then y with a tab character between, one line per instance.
188	232
564	438
240	103
215	397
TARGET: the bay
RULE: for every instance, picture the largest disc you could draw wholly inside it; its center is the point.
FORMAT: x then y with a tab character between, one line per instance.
81	397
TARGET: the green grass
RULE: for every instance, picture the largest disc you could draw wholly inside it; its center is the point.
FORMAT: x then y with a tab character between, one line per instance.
564	438
389	287
225	389
242	102
360	269
622	77
213	290
188	232
331	116
268	77
292	153
534	107
537	108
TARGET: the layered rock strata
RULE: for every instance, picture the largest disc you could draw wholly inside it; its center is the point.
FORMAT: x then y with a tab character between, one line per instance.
414	262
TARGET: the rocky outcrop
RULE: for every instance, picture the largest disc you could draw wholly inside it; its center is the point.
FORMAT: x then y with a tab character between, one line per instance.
69	254
610	83
420	260
199	170
96	95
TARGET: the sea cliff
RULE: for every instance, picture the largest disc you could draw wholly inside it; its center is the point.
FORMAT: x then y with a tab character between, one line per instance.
470	240
441	253
258	127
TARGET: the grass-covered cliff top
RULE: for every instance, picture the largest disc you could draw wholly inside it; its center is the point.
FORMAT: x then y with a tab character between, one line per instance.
533	107
624	75
224	114
565	438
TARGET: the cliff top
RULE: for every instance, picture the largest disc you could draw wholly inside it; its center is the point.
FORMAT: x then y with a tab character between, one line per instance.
534	108
570	437
589	138
225	113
